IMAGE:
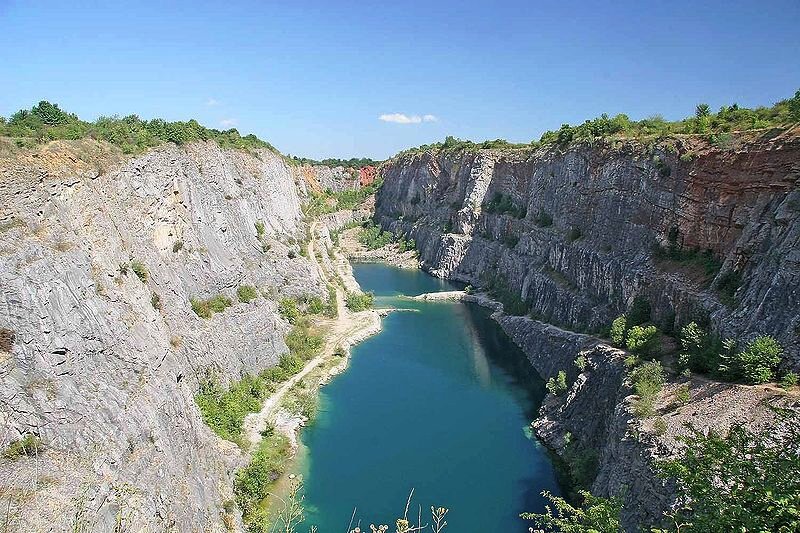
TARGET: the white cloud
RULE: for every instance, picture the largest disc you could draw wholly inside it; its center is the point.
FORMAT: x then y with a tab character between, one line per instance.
228	122
402	118
211	102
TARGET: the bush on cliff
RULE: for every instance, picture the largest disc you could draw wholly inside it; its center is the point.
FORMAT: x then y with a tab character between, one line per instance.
246	293
207	308
756	363
648	381
254	482
643	341
742	481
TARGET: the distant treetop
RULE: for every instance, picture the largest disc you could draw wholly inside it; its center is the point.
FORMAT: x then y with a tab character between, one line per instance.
354	162
729	118
46	121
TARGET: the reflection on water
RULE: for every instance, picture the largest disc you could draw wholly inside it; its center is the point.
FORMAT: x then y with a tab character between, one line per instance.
439	401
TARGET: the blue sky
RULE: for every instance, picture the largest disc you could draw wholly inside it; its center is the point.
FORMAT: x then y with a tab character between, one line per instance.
313	78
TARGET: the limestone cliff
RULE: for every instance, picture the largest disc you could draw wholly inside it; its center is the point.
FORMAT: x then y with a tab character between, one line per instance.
101	356
574	232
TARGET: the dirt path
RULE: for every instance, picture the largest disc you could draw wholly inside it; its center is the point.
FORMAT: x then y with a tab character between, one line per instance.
342	332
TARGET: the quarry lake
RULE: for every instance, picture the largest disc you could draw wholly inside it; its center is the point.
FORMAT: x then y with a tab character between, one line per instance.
439	401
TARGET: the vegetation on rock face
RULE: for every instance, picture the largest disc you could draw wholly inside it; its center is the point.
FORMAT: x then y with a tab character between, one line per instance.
743	481
27	446
254	481
373	237
224	409
207	308
648	381
246	293
330	201
558	384
706	353
46	121
140	270
505	205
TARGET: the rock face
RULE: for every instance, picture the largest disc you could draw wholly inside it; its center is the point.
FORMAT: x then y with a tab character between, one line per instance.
102	364
573	233
321	178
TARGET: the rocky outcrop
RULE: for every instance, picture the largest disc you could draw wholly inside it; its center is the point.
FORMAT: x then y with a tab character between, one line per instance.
573	230
100	255
574	233
321	178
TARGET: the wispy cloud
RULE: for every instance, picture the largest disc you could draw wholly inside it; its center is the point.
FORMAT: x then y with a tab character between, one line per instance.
401	118
228	122
211	102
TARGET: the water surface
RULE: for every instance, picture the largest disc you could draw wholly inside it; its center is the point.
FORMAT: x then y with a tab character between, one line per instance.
440	401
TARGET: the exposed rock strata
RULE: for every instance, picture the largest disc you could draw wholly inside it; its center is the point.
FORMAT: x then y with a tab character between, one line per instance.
103	371
593	216
578	246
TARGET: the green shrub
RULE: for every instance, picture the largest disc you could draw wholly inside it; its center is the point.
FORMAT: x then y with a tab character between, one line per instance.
727	285
618	329
789	380
648	381
302	342
682	394
756	363
643	341
177	247
140	270
28	446
260	230
373	237
505	205
267	466
581	362
155	301
287	307
207	308
743	481
660	426
315	306
224	410
558	384
359	302
596	515
331	307
246	293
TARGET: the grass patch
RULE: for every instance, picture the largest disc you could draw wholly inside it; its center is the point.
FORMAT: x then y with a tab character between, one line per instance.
207	308
140	270
27	446
246	293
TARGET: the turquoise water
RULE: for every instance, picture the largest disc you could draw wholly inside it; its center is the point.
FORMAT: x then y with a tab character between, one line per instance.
439	401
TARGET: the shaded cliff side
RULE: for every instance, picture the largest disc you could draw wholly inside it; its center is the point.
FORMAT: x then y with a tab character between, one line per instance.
100	255
578	233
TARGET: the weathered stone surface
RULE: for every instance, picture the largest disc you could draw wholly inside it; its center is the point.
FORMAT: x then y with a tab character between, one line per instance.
611	204
104	378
